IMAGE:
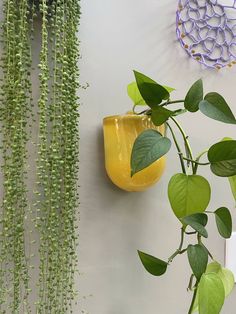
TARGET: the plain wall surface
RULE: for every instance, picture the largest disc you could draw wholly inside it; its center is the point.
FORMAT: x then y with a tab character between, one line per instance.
116	37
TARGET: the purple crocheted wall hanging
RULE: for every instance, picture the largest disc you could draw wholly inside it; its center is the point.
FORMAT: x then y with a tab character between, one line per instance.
206	29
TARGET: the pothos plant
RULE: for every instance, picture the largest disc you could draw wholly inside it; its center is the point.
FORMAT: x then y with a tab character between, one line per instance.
189	192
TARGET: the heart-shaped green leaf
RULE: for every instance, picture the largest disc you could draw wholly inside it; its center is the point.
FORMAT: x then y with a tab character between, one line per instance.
225	275
211	294
214	106
199	218
188	194
222	157
224	222
152	93
194	96
149	146
198	259
153	265
197	222
160	115
135	95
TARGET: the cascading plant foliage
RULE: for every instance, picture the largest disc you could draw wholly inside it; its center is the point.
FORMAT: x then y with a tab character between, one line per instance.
15	106
189	192
56	198
58	155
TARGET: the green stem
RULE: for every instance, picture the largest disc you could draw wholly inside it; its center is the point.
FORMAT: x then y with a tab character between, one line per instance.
185	138
179	250
147	111
199	238
196	162
202	154
197	159
172	102
190	285
178	148
193	300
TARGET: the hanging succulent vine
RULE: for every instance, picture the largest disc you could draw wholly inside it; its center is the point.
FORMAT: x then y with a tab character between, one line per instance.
58	155
15	109
57	162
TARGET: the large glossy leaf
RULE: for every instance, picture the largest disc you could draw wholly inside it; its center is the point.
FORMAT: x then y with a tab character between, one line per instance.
197	222
194	96
149	146
224	222
153	265
135	95
211	294
198	259
152	93
214	106
222	157
225	275
188	194
160	115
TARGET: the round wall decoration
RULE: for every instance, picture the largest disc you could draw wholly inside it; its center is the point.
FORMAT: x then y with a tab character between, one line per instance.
206	29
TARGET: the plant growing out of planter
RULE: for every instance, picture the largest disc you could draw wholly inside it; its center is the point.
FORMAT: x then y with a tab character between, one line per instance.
189	193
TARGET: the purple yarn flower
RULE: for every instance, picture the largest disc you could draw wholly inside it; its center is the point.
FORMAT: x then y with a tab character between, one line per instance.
206	29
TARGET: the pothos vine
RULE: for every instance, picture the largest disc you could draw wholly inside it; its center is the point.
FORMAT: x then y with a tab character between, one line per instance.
189	193
56	199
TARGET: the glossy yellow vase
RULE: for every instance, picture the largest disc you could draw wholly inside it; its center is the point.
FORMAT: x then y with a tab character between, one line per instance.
120	133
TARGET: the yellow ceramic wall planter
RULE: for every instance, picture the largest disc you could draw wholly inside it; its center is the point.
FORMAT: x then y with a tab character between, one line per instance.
120	133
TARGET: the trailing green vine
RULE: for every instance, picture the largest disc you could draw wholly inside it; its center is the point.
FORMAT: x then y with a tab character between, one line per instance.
15	110
189	193
57	162
58	156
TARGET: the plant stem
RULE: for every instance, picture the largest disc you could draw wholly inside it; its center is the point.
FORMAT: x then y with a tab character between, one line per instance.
172	102
189	150
199	238
196	162
191	283
197	159
193	300
179	250
178	148
202	154
146	111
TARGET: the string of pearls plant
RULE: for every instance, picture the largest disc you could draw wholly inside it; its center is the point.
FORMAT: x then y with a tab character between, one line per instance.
56	198
15	109
58	155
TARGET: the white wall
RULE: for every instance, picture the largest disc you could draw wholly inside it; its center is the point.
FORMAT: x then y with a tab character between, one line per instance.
118	36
